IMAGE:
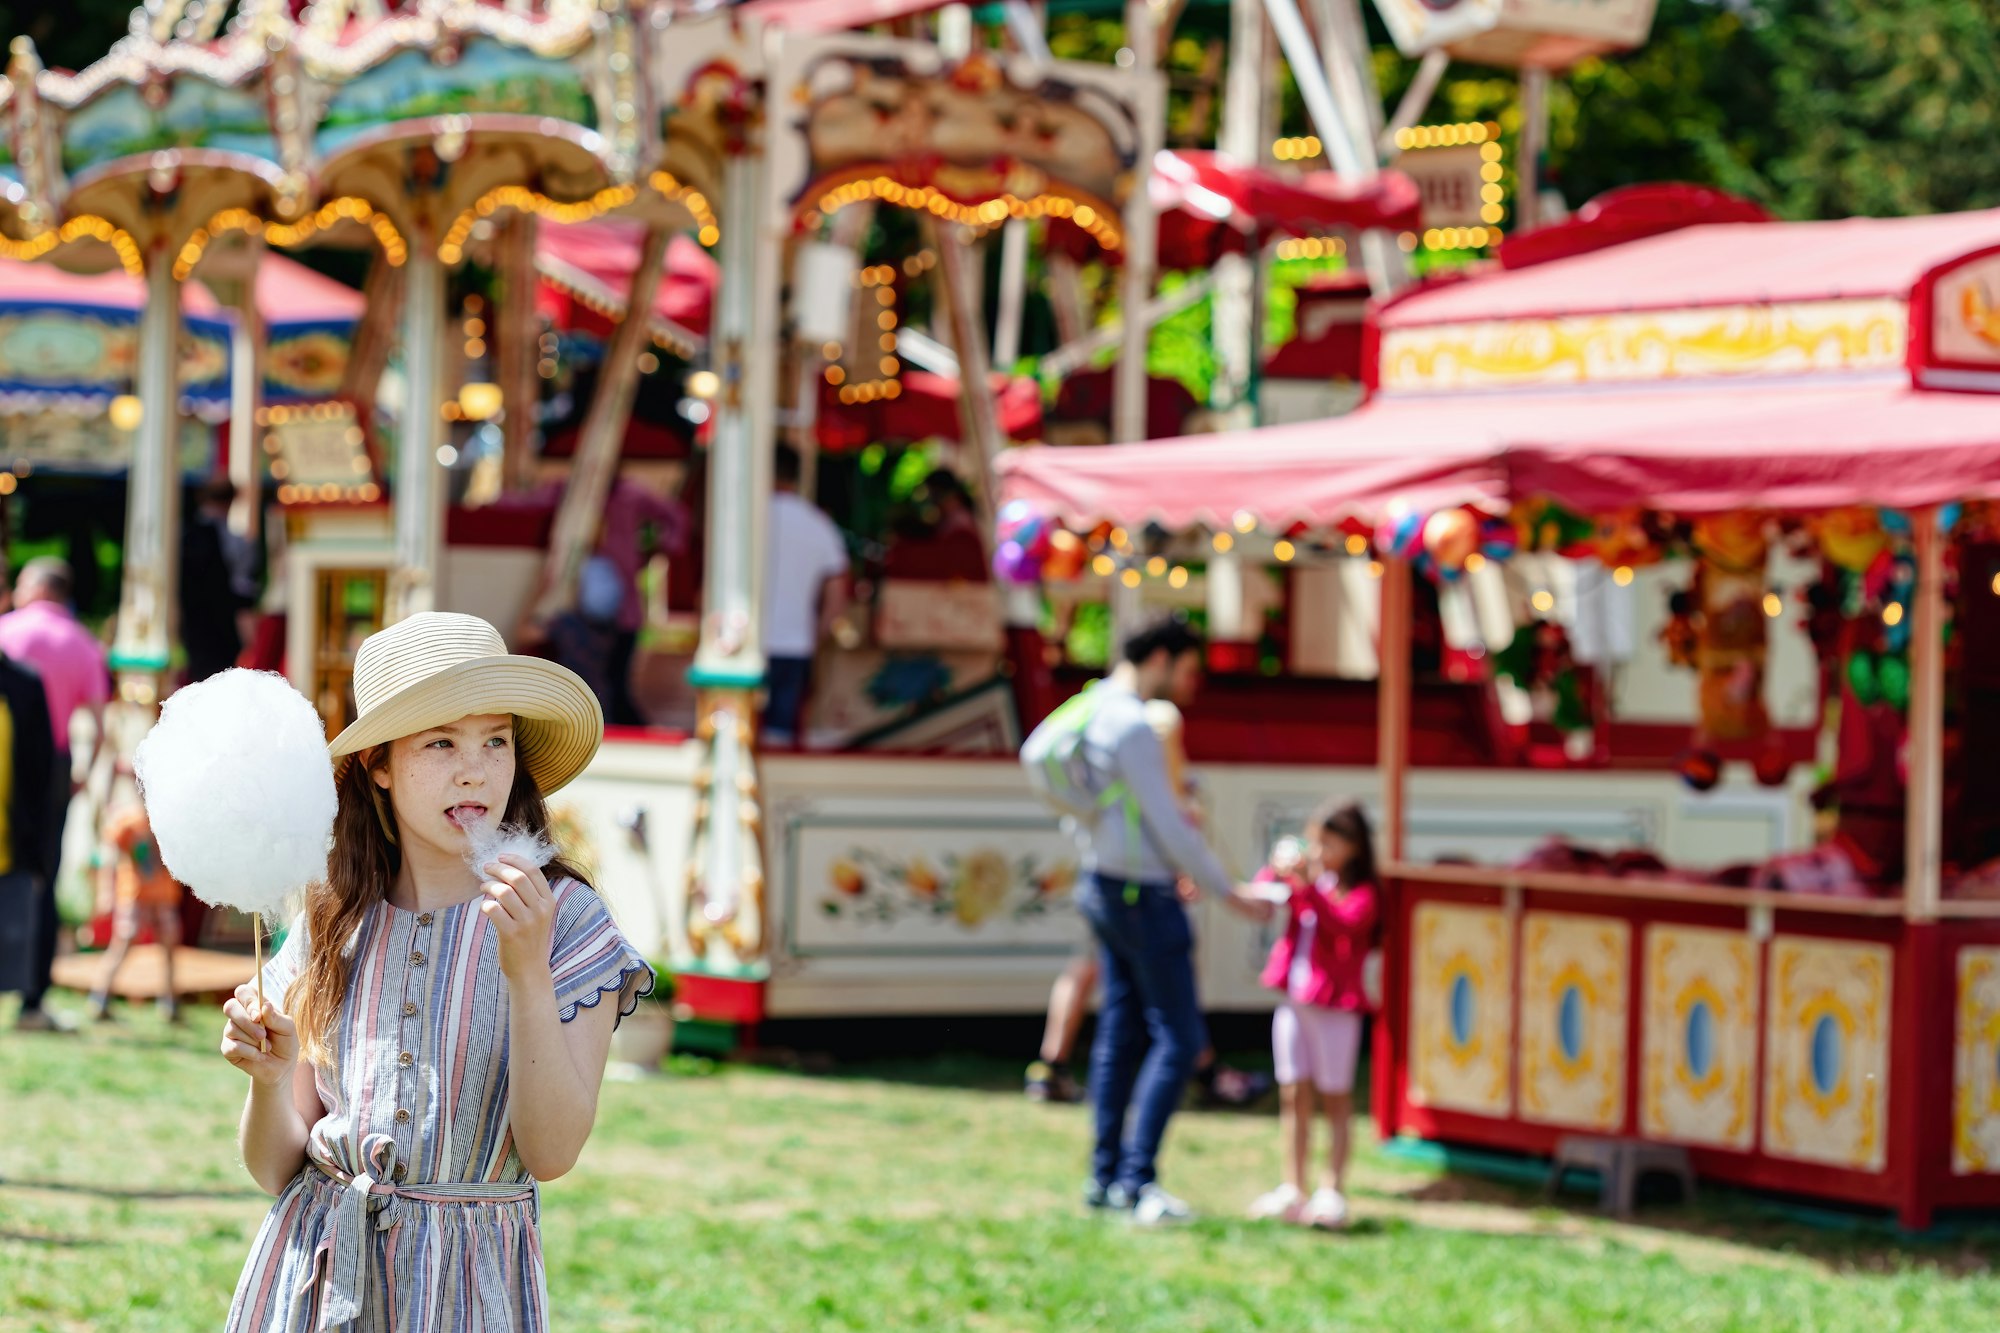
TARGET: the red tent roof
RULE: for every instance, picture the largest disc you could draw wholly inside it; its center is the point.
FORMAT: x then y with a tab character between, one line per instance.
290	293
925	407
1721	447
834	15
1208	204
1722	264
287	292
587	267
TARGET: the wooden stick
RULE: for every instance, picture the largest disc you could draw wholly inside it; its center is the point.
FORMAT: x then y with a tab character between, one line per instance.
257	931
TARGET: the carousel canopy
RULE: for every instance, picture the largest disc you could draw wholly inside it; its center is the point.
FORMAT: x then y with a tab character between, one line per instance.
69	341
835	15
1736	446
925	408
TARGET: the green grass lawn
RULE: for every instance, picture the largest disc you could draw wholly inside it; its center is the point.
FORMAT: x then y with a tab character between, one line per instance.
916	1196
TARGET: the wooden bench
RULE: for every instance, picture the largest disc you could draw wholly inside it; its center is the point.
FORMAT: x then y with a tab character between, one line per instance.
1619	1163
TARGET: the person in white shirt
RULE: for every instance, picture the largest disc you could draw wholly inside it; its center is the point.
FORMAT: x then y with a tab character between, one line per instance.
805	591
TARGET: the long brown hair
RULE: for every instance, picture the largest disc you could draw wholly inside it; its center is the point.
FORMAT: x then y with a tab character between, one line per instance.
1346	819
361	867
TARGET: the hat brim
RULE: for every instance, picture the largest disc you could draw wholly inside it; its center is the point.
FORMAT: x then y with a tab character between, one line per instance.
558	728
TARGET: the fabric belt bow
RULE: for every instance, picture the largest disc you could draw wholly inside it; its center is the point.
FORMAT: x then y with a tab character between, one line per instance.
344	1280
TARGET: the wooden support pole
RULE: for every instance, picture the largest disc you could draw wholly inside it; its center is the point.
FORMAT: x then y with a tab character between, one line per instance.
1923	852
515	335
382	308
1416	100
979	418
602	439
1013	293
1392	711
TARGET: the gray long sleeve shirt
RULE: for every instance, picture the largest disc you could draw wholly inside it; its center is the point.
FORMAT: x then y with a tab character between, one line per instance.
1120	745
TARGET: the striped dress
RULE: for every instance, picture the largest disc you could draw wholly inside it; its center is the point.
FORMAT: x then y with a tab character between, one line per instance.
413	1212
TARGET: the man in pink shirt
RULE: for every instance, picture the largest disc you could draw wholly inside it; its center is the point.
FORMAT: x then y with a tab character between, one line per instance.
44	633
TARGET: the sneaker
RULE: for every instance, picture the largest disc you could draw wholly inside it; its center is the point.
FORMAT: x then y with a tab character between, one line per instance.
41	1020
1327	1209
1284	1203
1051	1083
1104	1198
1157	1208
1236	1088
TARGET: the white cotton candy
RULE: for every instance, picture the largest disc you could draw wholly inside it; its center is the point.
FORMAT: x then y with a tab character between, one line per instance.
484	846
239	790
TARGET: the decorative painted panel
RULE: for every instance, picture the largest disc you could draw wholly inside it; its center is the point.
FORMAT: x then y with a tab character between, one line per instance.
1460	1008
1575	1005
1648	345
1699	1037
1975	1083
1826	1044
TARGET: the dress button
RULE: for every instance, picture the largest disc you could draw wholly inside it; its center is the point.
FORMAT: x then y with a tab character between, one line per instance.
409	1008
416	958
406	1059
402	1115
424	920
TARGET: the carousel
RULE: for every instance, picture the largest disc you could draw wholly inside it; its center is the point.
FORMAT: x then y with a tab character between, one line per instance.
527	180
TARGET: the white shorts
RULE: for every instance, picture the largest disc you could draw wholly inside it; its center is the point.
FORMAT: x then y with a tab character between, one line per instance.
1319	1045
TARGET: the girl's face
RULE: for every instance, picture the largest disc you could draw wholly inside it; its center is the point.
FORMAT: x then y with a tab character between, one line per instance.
1330	851
446	782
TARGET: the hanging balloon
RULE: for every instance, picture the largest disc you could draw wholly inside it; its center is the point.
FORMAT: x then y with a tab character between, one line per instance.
1545	525
1499	539
1949	515
1400	534
1894	674
1895	522
1065	561
1014	513
1015	564
1773	763
1450	535
1851	538
1699	769
1863	678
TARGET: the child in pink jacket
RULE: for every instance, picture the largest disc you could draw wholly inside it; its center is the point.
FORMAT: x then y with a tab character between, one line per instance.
1317	965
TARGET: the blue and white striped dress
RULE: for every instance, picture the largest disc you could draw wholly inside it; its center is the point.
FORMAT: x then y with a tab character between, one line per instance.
413	1213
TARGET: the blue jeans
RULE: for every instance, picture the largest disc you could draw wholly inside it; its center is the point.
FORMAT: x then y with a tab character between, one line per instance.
1149	992
788	680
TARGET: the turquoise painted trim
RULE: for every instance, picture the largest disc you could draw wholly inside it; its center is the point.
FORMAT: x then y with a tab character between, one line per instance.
128	662
740	972
725	678
701	1036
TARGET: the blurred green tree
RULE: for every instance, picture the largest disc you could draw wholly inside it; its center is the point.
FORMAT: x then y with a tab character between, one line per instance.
69	35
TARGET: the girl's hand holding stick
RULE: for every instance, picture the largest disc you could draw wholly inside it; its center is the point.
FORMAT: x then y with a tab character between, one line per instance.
259	1040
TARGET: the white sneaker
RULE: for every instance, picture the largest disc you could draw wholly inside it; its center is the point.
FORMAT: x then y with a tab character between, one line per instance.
1157	1208
1327	1209
1283	1203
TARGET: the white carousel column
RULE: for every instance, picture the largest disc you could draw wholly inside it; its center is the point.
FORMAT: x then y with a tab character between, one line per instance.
246	399
724	909
1534	141
1142	234
1243	138
144	637
419	493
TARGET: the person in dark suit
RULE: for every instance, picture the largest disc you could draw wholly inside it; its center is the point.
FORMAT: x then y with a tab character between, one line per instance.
27	770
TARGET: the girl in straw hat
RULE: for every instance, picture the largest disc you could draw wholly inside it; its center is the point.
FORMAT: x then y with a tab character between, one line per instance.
443	1027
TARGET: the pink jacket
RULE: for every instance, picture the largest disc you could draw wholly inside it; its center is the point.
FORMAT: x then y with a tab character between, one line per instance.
1343	931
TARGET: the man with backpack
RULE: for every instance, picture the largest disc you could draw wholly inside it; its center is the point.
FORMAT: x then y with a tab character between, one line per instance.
1098	761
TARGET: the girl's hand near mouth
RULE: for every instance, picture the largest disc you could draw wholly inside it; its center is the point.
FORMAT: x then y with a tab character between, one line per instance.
522	908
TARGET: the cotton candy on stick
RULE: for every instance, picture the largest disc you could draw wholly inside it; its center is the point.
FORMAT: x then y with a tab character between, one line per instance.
239	791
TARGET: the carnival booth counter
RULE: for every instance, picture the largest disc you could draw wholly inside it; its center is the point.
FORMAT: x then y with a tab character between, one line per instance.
1818	1020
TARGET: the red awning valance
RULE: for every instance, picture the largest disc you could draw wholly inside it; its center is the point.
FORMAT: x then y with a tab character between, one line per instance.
1709	450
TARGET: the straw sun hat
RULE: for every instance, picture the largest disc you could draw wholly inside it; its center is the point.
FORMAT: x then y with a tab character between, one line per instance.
436	667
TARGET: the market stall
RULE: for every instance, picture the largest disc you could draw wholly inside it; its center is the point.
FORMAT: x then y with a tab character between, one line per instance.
1814	1017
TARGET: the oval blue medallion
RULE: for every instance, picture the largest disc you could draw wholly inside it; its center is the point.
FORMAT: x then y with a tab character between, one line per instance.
1826	1055
1569	1023
1464	1009
1698	1044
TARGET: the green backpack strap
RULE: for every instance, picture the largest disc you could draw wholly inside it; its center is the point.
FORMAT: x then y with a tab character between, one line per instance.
1116	794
